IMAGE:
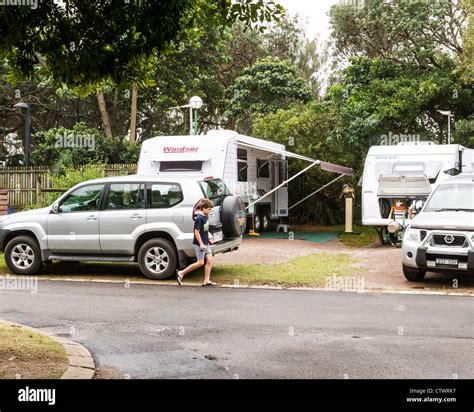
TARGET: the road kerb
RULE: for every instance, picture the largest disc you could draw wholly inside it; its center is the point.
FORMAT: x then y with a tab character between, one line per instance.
81	363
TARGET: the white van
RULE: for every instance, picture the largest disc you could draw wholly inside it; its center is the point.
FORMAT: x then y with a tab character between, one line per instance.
398	179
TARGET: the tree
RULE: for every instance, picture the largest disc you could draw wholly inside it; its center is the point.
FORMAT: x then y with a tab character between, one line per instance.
424	33
268	85
83	43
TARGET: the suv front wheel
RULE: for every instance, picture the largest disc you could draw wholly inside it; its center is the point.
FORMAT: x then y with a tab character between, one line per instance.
23	256
413	274
157	259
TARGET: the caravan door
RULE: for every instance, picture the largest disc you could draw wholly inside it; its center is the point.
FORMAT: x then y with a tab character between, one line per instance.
279	206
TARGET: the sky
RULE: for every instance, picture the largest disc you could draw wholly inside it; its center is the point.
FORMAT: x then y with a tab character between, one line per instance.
313	13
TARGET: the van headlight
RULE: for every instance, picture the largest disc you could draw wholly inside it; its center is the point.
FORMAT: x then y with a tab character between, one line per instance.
413	235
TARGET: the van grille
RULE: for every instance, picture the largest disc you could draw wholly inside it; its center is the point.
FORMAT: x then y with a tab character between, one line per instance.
422	234
449	240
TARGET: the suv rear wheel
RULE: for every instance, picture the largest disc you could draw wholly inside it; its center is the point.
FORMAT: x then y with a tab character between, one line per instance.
23	256
413	274
157	259
234	217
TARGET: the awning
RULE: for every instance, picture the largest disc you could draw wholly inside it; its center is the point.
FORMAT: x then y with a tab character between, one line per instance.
330	167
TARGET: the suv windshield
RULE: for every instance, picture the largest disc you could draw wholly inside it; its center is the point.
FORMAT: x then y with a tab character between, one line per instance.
456	197
215	190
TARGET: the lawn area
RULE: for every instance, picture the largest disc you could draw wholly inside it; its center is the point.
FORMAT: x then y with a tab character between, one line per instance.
363	236
29	355
310	270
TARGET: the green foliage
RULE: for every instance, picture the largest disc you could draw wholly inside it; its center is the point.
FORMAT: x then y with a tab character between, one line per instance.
71	176
64	148
268	85
84	43
421	33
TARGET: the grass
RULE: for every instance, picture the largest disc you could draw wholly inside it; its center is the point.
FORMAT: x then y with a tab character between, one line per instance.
310	270
364	236
29	355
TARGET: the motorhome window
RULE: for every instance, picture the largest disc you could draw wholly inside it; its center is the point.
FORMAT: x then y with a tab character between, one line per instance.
408	168
125	196
456	197
242	165
163	195
215	189
181	166
242	154
263	169
242	177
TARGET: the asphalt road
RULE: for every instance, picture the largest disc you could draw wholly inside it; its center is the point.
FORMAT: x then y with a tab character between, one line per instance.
148	331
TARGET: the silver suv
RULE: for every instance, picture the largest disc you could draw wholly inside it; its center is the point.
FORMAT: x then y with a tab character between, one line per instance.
141	219
441	237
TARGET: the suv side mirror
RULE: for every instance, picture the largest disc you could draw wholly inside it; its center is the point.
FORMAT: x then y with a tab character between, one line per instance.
55	207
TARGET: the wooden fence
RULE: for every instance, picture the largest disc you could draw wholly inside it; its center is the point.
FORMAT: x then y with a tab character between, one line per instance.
25	186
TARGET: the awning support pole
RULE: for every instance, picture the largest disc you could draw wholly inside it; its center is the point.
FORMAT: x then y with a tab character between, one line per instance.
316	191
284	183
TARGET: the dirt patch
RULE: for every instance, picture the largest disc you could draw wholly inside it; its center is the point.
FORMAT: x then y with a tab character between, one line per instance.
266	251
28	355
379	265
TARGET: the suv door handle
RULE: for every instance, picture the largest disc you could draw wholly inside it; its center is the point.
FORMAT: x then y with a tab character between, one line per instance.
136	216
92	217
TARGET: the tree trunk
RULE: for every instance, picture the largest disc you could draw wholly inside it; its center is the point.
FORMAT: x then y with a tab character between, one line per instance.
104	114
133	115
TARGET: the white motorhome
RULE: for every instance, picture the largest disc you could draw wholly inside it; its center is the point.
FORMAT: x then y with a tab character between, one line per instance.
398	179
254	168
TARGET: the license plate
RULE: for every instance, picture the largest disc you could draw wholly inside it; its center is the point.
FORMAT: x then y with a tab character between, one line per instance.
217	236
447	262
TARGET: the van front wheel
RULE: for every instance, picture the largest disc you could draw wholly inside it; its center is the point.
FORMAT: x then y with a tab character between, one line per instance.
413	274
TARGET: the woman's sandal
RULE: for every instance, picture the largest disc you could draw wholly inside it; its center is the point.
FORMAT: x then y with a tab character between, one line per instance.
179	279
209	284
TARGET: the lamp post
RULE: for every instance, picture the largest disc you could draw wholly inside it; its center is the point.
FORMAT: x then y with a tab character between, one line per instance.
195	103
449	114
25	111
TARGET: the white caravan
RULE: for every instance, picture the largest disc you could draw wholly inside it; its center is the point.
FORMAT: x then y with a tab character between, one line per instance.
398	179
253	168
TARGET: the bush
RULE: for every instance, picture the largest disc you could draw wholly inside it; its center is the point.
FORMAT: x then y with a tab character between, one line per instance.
63	148
71	176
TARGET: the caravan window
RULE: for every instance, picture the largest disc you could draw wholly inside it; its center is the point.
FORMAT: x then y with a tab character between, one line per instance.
263	168
242	165
408	168
181	166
